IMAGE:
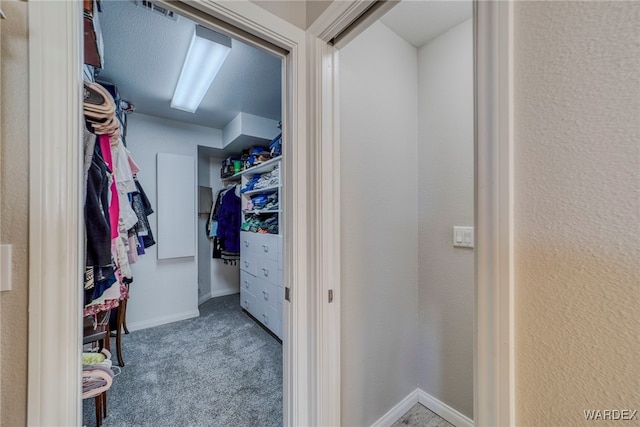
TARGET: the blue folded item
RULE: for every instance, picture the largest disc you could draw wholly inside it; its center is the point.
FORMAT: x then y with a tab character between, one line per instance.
275	146
250	184
259	201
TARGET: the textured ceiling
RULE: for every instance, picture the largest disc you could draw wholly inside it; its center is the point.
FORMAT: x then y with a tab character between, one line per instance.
420	21
144	52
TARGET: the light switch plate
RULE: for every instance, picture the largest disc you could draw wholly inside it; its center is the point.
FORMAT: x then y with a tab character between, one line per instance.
5	267
463	237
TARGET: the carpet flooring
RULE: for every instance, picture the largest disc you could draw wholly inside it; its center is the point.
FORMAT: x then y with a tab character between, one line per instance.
219	369
419	416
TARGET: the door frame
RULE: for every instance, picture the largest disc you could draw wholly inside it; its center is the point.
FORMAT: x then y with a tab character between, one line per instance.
56	238
494	287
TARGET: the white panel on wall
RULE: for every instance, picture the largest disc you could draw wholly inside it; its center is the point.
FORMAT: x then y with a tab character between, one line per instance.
176	206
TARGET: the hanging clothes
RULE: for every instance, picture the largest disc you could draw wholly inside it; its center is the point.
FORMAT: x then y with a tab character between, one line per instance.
102	206
143	209
125	184
229	222
114	205
96	213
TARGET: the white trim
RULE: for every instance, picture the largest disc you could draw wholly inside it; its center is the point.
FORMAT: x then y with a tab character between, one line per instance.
55	214
158	321
325	210
55	244
204	298
336	17
224	293
221	293
445	411
401	408
494	376
347	19
425	399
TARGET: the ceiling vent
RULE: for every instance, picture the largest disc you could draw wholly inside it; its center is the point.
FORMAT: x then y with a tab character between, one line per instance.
157	9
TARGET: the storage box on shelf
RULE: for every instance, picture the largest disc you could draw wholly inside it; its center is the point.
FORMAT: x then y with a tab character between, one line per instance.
261	291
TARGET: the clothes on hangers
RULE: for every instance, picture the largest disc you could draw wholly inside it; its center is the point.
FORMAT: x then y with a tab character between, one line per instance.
224	225
110	217
142	208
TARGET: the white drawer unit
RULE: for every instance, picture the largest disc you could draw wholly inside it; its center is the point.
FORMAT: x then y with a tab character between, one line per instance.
261	291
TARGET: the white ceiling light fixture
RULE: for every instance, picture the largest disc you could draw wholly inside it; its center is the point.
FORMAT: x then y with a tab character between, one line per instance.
207	52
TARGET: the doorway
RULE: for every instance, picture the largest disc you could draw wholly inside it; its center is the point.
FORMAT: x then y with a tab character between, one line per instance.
249	24
493	289
208	320
230	141
406	103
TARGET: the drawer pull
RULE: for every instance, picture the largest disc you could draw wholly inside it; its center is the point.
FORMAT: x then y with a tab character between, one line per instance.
246	284
266	248
266	295
246	263
266	271
246	244
246	304
266	319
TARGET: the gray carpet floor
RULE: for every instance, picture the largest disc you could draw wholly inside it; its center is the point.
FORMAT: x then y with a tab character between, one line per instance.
419	416
220	369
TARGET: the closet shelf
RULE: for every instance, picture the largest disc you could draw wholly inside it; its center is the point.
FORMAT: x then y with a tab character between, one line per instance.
262	167
235	177
262	211
262	190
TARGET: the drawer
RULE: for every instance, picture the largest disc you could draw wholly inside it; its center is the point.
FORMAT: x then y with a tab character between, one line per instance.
249	243
268	269
248	302
259	243
249	263
248	282
271	319
267	245
268	294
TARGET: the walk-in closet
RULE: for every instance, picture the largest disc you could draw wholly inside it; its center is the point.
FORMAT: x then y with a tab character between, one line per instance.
183	183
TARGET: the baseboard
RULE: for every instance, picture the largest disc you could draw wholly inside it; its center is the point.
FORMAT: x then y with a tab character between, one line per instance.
398	411
428	401
216	294
225	292
136	326
204	298
445	411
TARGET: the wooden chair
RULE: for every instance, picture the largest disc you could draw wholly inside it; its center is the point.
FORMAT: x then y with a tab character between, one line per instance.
96	380
96	330
118	323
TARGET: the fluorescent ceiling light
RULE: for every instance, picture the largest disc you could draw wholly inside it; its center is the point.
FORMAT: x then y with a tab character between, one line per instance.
207	52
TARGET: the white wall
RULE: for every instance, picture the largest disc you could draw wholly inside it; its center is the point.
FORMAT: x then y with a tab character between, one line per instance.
445	199
292	11
301	13
204	244
164	290
577	209
378	102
